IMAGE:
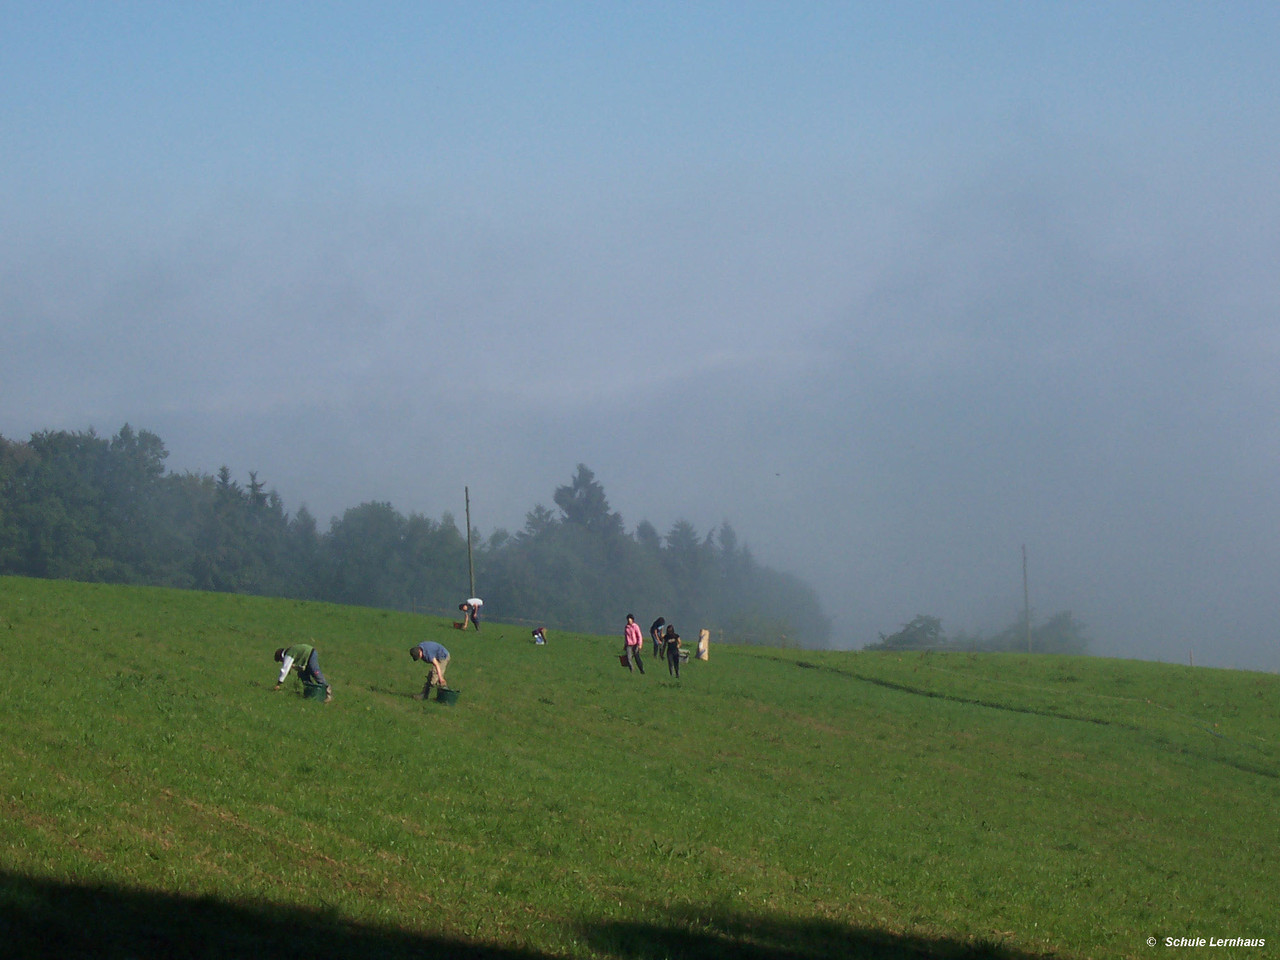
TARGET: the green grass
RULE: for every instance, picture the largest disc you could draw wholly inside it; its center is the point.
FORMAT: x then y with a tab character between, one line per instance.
157	800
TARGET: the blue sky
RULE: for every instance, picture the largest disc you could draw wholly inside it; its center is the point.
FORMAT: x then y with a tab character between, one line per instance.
894	288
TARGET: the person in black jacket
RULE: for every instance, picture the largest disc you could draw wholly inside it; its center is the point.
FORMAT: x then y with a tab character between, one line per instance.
671	644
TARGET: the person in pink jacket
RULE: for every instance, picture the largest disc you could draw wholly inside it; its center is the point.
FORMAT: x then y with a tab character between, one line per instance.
633	644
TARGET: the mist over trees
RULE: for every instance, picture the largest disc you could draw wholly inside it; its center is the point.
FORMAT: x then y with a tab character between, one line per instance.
83	507
1061	633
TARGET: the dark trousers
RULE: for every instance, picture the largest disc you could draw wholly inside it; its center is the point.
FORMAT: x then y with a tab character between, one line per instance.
311	672
673	660
634	654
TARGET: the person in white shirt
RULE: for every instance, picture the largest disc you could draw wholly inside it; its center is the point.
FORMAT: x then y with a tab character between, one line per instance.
471	612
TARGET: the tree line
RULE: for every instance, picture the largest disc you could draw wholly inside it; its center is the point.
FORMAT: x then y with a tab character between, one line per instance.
76	505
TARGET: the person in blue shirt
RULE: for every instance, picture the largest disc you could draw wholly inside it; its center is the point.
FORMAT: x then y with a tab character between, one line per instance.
438	657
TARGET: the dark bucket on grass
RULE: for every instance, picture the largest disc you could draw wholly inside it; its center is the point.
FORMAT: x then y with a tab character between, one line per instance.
314	691
446	696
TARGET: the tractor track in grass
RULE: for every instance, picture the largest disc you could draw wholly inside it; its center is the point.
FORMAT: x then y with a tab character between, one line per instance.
1265	767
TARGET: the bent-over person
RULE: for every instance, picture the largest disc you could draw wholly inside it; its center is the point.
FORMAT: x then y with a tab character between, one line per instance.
436	655
303	658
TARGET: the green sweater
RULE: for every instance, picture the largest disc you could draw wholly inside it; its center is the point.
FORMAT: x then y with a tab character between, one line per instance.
301	653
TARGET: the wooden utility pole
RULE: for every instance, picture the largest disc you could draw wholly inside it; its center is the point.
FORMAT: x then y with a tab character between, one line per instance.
471	567
1026	597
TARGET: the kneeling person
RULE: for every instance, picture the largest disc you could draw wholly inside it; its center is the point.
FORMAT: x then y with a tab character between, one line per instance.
303	658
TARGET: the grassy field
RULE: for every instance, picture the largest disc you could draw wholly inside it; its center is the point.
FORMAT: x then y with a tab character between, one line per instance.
159	801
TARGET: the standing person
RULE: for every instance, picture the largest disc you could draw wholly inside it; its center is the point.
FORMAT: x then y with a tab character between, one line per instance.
671	643
655	634
438	657
633	644
471	612
303	656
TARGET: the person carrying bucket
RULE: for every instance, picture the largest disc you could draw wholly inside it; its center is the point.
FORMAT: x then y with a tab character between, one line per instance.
632	645
438	657
304	658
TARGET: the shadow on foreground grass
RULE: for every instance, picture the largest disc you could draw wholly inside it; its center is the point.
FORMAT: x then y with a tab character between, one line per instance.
704	936
48	918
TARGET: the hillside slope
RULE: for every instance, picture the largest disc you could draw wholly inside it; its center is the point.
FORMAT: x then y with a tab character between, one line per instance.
159	801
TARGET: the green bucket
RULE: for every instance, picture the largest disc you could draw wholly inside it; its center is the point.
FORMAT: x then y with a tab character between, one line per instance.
446	696
314	691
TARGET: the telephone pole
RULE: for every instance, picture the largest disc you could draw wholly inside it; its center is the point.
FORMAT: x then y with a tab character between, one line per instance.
1026	597
471	567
